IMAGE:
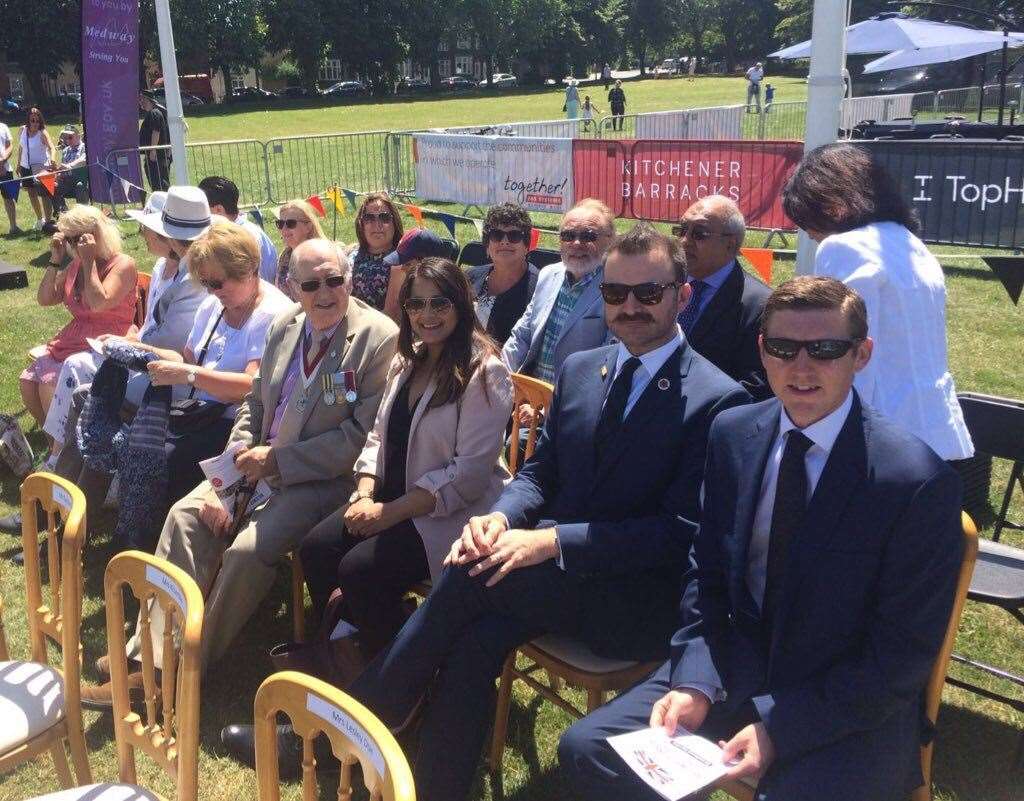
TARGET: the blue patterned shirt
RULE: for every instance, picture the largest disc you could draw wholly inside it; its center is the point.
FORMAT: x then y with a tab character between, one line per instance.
544	369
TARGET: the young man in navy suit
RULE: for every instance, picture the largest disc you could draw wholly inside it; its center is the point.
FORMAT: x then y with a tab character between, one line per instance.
590	538
820	588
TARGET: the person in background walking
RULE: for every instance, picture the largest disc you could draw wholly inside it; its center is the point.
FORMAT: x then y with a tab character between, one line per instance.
754	77
589	109
571	107
35	153
154	133
606	75
8	186
691	67
617	98
769	97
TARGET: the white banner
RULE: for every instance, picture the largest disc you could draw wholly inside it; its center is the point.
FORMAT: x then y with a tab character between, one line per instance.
881	108
699	123
486	170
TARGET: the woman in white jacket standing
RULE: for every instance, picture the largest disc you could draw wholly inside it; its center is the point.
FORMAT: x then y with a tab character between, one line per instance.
866	234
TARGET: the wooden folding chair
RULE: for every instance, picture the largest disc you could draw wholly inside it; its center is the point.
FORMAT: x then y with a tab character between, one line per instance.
743	790
168	729
142	297
5	655
40	705
356	736
538	394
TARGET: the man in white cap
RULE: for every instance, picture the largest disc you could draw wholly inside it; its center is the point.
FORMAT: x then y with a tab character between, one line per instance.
754	77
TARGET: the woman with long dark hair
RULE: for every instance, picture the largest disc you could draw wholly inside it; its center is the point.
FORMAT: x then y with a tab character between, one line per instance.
430	463
378	231
36	152
867	239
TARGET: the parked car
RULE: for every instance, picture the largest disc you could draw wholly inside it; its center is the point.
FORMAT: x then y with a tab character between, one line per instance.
667	68
457	82
186	99
346	89
251	94
410	84
295	92
502	80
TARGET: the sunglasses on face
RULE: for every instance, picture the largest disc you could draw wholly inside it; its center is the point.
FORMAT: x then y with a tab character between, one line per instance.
438	304
513	237
649	293
820	349
313	284
289	224
383	218
695	233
586	235
212	284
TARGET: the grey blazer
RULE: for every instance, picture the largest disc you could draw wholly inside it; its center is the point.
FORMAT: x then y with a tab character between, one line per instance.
584	328
175	311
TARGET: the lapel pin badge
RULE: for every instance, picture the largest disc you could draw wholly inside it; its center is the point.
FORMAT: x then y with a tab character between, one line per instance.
663	384
604	371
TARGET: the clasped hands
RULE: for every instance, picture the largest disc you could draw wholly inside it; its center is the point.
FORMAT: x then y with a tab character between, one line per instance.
688	708
488	541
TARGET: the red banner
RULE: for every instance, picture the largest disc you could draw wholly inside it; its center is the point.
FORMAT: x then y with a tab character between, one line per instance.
658	180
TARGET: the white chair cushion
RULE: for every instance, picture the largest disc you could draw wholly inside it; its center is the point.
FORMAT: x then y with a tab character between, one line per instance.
31	701
575	653
101	792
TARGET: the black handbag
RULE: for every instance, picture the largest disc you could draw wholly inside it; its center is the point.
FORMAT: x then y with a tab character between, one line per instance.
191	414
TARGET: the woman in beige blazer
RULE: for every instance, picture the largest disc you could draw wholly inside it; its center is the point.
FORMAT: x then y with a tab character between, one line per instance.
430	463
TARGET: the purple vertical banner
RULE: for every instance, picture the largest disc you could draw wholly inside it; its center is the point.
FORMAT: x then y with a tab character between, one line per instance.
110	97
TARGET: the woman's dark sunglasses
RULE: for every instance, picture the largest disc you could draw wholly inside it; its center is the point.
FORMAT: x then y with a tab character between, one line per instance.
514	237
438	304
289	224
696	234
649	294
383	218
313	284
582	234
212	284
820	349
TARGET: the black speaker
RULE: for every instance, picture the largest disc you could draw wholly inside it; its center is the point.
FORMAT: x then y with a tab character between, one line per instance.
12	277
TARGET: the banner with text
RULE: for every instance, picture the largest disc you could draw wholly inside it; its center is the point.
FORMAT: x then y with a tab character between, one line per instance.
966	193
110	90
486	170
658	180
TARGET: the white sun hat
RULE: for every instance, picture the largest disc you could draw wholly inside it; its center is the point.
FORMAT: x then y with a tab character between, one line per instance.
185	215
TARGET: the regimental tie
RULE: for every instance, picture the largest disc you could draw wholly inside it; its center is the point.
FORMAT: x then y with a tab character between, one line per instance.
688	316
614	410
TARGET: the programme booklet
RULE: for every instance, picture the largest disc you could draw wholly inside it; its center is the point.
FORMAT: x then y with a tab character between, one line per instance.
673	766
226	480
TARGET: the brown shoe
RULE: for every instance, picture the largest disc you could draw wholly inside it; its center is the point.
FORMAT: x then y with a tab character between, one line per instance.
103	666
101	696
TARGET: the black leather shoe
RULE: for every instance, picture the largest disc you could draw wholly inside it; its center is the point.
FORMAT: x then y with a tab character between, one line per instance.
239	741
11	524
19	557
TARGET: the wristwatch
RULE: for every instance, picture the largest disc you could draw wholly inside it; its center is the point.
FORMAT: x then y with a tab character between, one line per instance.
191	376
359	495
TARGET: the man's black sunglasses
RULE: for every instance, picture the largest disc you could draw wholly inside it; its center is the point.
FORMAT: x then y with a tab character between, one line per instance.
582	234
695	233
514	237
313	284
649	293
820	349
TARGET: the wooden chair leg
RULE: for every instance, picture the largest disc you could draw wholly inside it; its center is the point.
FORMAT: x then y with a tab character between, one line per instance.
595	698
79	752
298	600
505	683
60	764
554	681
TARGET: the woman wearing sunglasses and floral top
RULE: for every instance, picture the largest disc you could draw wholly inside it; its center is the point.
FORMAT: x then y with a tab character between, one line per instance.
379	230
505	286
297	221
429	464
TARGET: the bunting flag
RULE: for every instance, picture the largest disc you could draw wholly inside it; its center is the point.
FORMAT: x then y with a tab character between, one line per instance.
314	201
351	197
10	189
534	238
1010	271
416	212
48	181
126	187
335	196
762	259
257	216
479	227
449	222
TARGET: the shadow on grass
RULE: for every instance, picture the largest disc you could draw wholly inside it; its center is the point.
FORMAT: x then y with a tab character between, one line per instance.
977	757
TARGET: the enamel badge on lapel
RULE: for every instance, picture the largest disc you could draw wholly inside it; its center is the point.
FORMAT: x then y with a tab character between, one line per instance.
327	383
663	384
604	371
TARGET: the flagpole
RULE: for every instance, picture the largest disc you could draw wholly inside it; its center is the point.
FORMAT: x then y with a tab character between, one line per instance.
172	92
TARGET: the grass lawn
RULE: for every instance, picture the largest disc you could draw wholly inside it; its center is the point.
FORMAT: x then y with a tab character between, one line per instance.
976	740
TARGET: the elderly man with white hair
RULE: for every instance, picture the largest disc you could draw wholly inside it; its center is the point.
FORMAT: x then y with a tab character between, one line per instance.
300	429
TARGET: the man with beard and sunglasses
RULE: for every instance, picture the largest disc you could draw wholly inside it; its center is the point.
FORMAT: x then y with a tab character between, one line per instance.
590	538
820	583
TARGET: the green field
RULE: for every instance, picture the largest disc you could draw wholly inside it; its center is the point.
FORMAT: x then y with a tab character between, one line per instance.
977	739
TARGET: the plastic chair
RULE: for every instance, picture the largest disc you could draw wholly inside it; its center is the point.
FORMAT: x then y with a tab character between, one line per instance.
40	705
356	736
168	729
473	254
743	790
542	257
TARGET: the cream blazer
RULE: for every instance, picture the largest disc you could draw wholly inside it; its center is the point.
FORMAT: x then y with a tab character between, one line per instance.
453	451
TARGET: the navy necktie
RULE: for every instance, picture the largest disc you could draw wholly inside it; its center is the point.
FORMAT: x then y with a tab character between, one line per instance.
689	315
615	404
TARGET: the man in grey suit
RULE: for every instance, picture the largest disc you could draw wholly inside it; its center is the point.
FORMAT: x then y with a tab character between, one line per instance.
566	313
301	428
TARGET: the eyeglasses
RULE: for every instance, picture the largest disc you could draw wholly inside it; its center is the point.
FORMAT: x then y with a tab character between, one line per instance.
820	349
212	284
513	237
313	284
582	234
289	224
649	293
439	304
383	217
695	233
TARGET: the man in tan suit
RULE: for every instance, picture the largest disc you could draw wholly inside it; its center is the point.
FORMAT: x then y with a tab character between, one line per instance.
302	427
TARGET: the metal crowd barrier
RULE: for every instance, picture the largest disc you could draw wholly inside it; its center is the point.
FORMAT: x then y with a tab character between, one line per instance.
299	166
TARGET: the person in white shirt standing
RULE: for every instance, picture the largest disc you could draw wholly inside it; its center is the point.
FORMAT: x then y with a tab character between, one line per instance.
8	186
754	77
867	239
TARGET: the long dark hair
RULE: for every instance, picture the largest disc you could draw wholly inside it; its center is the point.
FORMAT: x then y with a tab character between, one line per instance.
396	218
38	113
839	187
468	345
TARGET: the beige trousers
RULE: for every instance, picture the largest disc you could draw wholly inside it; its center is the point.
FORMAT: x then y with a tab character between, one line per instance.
234	580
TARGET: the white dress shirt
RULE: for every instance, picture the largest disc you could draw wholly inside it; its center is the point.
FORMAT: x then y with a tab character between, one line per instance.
903	287
650	363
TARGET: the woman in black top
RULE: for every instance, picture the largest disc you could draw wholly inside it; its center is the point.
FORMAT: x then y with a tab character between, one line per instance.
504	287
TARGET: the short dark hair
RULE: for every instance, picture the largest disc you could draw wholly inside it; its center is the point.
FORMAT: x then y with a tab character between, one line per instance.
220	191
507	215
816	292
643	238
840	187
